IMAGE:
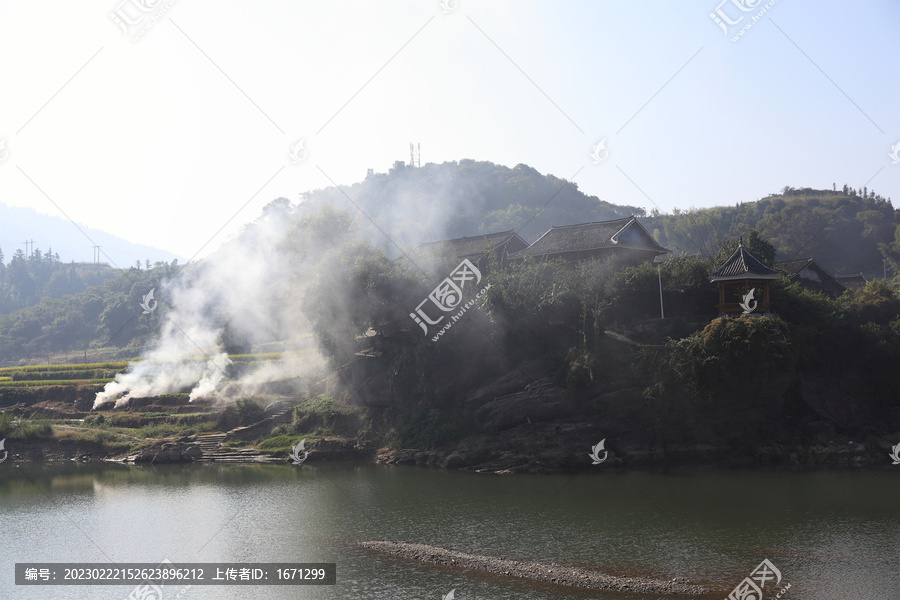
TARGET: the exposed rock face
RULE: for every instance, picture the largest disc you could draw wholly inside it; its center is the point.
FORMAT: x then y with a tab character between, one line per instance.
540	401
171	452
335	449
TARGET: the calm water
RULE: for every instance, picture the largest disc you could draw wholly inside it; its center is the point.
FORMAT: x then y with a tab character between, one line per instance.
832	535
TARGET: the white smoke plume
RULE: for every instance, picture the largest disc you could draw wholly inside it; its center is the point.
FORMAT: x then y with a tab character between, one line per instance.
245	284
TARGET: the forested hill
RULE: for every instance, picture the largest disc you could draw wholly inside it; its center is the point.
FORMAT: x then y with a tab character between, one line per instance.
845	230
49	306
453	199
842	228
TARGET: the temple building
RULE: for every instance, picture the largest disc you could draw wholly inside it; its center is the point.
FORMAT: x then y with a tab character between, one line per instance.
481	250
811	276
625	239
852	282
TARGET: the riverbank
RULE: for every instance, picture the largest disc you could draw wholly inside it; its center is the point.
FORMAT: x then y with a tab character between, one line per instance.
516	427
465	457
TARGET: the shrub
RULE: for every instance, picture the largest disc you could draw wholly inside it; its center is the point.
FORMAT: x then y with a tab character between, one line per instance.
244	411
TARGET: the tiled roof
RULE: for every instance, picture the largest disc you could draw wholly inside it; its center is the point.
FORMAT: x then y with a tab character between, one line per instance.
852	282
743	264
793	267
592	236
811	274
467	247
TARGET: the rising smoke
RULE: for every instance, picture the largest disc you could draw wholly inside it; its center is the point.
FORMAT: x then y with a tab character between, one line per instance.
251	289
247	288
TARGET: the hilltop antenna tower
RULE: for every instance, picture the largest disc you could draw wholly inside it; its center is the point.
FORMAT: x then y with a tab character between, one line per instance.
415	154
96	254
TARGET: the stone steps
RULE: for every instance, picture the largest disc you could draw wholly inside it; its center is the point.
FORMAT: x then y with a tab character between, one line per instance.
211	444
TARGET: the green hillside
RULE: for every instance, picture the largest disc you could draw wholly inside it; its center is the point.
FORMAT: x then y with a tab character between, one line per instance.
844	230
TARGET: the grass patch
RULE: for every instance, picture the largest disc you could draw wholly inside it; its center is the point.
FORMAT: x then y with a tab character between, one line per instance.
119	365
23	430
104	441
38	383
279	444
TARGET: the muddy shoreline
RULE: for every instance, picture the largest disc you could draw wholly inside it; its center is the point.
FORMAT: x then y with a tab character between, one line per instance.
545	572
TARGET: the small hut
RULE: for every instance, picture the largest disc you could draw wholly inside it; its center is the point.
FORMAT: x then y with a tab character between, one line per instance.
743	284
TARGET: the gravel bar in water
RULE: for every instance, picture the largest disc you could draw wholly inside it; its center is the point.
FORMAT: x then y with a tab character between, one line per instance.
550	573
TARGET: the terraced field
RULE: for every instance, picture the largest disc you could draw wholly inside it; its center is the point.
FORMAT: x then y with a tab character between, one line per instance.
104	372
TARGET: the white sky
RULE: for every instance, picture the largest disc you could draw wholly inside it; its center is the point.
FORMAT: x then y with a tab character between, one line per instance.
163	140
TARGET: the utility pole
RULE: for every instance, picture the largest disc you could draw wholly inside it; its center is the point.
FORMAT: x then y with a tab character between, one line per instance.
658	260
28	252
662	313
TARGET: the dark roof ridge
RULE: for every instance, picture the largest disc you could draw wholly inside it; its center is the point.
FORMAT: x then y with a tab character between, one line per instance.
743	264
593	223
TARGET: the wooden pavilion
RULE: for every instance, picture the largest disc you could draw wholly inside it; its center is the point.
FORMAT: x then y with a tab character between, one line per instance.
743	284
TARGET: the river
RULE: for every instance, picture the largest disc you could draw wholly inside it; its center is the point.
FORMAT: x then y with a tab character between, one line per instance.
832	535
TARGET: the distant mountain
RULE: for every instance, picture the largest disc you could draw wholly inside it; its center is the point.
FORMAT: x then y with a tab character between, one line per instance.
59	235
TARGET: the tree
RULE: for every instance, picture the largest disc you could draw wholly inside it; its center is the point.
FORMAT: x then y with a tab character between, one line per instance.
891	253
755	244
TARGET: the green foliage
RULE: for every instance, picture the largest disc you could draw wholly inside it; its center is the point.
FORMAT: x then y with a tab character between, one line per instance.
115	366
890	250
876	302
108	442
95	420
64	374
426	428
843	230
99	309
23	430
321	406
755	244
41	383
244	411
730	361
278	444
494	197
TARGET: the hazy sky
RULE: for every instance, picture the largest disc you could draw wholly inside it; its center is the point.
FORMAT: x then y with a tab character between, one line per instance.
165	139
